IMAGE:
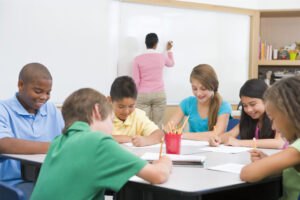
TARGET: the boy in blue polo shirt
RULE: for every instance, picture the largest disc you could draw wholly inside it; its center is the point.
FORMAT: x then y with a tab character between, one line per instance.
27	121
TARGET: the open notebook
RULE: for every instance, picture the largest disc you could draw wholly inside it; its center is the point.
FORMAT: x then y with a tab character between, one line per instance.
177	159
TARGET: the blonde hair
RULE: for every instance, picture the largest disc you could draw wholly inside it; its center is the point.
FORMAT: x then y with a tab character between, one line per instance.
207	76
80	104
285	96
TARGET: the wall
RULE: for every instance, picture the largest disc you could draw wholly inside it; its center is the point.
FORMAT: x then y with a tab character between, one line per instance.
77	40
280	31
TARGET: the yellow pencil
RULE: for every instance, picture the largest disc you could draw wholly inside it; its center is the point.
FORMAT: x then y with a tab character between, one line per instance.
170	128
186	120
139	131
215	130
163	128
254	143
161	147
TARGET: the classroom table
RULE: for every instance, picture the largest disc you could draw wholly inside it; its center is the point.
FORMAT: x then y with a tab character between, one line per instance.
30	164
185	182
200	183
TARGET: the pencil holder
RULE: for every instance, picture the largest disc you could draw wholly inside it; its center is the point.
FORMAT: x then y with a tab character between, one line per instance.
173	143
293	56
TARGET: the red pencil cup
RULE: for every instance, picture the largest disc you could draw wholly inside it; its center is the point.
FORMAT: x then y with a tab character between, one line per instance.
173	143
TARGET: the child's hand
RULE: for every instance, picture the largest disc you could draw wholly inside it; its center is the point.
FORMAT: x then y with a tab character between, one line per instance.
257	155
165	160
232	142
138	141
214	141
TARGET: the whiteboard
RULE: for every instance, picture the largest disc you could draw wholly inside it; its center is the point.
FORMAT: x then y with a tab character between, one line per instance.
76	40
90	43
215	38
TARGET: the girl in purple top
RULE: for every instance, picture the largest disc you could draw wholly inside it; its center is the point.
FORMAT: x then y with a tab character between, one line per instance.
254	121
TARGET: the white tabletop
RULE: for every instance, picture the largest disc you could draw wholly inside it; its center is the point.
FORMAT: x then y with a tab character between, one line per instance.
195	179
32	158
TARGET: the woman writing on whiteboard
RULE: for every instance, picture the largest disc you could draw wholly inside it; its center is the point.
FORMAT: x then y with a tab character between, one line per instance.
205	109
148	77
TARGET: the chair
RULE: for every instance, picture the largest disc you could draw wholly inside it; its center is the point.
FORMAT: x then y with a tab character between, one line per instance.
10	193
232	123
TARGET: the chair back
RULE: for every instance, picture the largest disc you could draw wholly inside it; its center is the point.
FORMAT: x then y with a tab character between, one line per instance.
8	192
232	123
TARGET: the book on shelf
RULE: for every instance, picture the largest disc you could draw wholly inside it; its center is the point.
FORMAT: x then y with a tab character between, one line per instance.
265	51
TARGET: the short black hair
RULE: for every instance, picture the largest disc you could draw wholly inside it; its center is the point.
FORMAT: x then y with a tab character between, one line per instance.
32	71
123	87
151	40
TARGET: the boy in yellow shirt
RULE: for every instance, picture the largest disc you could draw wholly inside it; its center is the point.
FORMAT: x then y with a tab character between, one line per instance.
131	124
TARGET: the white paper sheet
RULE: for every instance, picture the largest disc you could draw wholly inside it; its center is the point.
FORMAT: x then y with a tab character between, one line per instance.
228	167
226	149
150	146
194	143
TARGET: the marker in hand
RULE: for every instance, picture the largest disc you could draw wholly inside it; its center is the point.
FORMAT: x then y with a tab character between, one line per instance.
169	45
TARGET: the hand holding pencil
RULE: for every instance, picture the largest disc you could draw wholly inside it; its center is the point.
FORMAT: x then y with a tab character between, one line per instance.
138	140
165	162
214	141
257	155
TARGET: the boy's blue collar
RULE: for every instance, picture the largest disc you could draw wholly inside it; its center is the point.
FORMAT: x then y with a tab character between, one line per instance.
18	108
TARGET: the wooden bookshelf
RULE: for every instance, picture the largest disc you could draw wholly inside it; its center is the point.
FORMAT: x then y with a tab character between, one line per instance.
262	63
279	28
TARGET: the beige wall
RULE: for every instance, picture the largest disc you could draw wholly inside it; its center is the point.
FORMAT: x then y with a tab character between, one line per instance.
280	31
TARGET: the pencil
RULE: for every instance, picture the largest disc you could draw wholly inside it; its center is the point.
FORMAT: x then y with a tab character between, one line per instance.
254	143
139	131
163	128
180	130
161	147
170	128
215	130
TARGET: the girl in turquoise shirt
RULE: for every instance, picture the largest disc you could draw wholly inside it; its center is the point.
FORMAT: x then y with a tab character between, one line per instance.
282	105
205	109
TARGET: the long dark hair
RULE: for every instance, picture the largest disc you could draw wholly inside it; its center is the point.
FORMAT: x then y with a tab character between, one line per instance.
254	88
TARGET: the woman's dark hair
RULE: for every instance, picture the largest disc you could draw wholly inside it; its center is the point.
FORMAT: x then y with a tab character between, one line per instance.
254	88
151	40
